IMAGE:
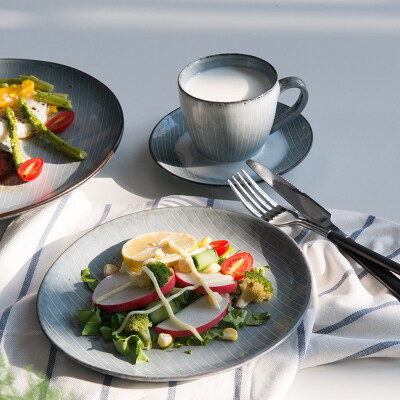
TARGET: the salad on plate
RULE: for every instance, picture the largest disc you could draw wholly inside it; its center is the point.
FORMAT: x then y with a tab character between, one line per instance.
172	291
28	105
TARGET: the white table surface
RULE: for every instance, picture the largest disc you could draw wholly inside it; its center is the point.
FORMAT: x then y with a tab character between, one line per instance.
347	52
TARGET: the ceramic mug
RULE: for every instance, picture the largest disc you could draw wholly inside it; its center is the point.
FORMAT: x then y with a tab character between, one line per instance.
228	103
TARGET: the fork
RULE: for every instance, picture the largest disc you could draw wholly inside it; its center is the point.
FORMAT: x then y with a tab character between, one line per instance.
263	206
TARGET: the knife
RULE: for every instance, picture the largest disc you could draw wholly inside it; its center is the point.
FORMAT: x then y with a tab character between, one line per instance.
320	216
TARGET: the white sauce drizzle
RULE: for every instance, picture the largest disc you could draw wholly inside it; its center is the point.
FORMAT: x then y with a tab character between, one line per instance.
188	258
113	292
168	307
156	307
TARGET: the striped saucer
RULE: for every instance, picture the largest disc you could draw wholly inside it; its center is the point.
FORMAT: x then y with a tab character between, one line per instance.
173	150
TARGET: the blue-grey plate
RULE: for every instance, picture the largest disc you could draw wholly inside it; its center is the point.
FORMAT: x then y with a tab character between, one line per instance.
173	150
97	129
62	292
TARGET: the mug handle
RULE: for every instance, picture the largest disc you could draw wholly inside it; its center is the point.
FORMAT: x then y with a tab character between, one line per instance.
294	111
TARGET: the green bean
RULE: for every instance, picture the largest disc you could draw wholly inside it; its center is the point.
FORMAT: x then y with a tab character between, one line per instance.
12	131
60	144
50	98
11	81
39	84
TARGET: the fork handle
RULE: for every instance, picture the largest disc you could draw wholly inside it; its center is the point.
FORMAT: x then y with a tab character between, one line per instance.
385	277
351	245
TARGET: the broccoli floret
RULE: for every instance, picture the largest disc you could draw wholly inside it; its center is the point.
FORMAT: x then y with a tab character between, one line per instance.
139	324
160	271
260	270
255	288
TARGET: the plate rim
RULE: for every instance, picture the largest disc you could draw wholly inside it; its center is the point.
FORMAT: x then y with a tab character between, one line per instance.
144	378
225	184
115	145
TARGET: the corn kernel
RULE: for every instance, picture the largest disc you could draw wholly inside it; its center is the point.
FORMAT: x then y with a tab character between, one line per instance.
110	269
164	340
183	265
229	334
205	241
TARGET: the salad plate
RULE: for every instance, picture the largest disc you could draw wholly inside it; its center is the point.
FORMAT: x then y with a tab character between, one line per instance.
173	150
62	292
97	128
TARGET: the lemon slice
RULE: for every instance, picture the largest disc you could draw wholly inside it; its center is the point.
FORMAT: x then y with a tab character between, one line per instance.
143	247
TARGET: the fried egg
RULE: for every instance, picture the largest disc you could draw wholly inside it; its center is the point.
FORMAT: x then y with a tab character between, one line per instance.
24	128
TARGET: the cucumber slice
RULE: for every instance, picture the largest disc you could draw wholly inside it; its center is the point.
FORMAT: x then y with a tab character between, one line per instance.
161	314
204	259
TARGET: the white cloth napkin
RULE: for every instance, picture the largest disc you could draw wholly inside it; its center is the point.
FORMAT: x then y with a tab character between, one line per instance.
350	316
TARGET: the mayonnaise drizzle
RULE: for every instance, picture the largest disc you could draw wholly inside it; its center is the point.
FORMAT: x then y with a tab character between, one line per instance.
113	292
215	297
168	307
156	307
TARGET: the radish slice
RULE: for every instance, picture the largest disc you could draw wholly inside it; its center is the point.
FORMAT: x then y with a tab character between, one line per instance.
200	314
218	282
128	299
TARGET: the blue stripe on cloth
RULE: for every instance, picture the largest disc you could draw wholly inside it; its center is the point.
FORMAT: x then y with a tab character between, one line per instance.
301	235
106	211
367	223
106	387
210	202
340	282
33	264
238	383
52	361
372	349
155	204
362	274
354	317
301	343
171	390
392	255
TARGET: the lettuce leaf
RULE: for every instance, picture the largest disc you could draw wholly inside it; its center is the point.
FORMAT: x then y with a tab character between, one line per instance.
235	318
90	280
257	319
131	347
92	321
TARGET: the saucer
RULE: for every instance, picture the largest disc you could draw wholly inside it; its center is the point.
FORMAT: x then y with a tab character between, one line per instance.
173	150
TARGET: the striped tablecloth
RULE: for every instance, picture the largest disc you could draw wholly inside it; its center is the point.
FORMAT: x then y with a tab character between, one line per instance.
350	316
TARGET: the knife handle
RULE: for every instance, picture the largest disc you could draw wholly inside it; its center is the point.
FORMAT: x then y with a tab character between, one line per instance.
351	245
385	277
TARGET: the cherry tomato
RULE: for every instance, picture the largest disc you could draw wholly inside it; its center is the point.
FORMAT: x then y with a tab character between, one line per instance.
60	121
220	246
236	265
30	169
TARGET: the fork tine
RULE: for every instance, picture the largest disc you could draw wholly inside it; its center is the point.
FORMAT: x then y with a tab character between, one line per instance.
256	199
259	190
249	196
247	204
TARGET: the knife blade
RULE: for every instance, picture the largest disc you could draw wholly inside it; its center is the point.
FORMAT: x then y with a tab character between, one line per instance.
294	196
314	212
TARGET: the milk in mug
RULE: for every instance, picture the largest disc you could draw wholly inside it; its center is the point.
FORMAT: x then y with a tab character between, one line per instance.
227	84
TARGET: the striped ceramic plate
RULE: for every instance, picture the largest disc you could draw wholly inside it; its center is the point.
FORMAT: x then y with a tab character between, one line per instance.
97	129
62	292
